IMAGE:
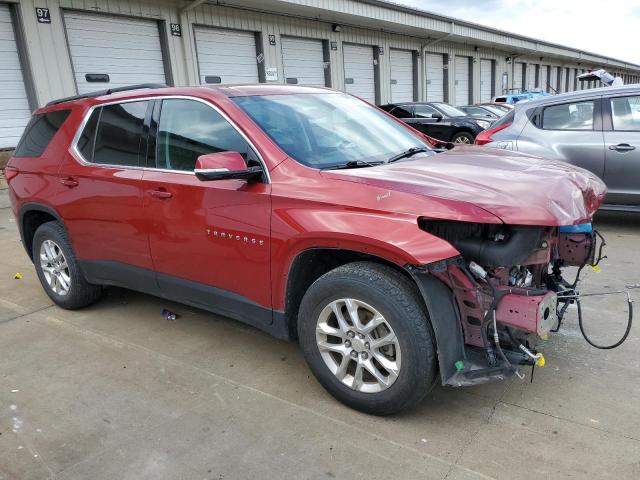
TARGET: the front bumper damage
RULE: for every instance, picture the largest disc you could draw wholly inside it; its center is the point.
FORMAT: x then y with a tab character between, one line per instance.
489	306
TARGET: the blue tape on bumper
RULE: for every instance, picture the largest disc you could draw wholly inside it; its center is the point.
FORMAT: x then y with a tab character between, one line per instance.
582	228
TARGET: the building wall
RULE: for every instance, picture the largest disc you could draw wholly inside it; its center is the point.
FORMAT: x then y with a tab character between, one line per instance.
52	73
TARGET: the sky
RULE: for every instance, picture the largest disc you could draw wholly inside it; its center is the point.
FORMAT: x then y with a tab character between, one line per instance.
607	28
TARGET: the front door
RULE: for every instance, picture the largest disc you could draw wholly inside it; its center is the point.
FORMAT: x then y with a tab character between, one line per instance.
209	241
622	150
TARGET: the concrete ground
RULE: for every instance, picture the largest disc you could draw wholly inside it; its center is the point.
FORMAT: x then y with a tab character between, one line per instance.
115	391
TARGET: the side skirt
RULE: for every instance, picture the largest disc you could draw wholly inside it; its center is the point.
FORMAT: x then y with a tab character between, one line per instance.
206	297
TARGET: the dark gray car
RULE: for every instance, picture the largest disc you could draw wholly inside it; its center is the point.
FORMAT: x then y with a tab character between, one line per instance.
596	129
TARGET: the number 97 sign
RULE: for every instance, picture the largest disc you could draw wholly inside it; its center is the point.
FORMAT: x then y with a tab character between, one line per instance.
42	14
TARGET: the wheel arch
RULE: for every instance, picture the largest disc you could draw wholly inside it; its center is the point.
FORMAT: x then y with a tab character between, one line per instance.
32	215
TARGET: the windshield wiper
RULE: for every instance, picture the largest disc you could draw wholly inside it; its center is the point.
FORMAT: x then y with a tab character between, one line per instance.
352	164
408	153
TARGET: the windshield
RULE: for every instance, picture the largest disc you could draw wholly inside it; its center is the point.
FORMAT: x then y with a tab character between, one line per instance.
449	111
329	130
498	111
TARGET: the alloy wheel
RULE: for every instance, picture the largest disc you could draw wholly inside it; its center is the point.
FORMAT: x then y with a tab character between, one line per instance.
55	267
358	345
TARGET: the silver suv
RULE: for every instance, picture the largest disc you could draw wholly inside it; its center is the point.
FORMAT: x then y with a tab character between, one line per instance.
596	129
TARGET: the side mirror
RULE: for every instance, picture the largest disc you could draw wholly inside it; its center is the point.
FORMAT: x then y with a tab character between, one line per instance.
225	166
437	116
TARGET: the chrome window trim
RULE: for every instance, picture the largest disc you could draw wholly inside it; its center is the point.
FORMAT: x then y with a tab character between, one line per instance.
78	156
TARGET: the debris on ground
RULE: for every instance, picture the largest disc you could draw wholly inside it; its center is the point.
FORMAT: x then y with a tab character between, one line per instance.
169	315
17	276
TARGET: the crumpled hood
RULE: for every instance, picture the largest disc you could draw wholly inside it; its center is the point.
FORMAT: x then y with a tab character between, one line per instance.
519	189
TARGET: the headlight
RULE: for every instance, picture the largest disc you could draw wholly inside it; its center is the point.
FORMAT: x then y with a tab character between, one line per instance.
484	124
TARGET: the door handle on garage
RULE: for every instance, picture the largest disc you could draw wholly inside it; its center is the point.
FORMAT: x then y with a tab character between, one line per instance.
161	193
622	147
69	182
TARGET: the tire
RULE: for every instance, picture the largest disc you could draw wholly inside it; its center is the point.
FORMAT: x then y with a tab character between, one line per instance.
62	272
381	288
463	138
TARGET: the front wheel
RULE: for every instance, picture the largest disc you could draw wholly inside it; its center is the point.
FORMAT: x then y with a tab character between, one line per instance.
366	336
464	138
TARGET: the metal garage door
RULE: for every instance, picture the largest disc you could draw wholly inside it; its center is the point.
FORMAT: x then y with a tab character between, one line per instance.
401	75
126	49
486	80
553	80
518	73
543	80
359	77
462	80
532	77
303	61
226	56
435	77
14	107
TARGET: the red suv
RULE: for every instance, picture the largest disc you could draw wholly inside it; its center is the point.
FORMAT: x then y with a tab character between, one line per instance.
312	215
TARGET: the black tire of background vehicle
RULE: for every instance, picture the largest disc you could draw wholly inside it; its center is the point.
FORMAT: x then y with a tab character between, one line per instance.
463	135
398	300
81	293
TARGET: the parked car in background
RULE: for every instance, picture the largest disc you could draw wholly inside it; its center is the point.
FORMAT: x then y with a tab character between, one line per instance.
513	98
597	129
477	111
439	120
504	108
311	215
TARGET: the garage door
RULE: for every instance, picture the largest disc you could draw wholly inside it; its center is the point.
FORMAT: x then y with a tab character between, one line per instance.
226	56
14	107
532	77
486	80
553	81
126	49
303	61
462	80
358	71
518	72
401	75
542	81
435	77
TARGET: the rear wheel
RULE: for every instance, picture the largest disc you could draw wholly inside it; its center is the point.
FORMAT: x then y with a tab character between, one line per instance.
58	269
365	334
463	137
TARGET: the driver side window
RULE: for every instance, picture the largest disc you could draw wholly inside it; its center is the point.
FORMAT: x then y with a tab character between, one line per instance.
424	111
188	129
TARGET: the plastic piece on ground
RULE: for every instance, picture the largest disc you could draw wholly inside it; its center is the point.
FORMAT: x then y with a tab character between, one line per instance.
17	276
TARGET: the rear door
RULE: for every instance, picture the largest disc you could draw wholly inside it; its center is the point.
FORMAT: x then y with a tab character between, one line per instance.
101	201
622	149
359	76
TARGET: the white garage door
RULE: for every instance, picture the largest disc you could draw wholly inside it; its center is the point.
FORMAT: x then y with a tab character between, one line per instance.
532	77
14	107
126	49
486	80
462	80
303	61
554	80
543	79
401	62
358	71
517	76
226	56
435	77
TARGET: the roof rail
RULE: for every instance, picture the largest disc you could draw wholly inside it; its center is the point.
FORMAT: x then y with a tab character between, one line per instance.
108	91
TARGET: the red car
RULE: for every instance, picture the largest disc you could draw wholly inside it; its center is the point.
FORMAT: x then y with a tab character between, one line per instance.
311	215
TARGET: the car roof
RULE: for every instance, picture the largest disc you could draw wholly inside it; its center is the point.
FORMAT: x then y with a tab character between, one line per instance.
579	94
204	91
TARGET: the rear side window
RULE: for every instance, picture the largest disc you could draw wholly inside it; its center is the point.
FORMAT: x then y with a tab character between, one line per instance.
39	132
625	113
569	116
113	134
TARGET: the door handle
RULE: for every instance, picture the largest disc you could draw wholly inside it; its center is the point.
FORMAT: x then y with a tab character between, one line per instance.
69	182
622	147
161	194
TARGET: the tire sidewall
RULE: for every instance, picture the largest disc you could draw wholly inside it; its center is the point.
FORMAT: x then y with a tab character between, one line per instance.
413	367
463	134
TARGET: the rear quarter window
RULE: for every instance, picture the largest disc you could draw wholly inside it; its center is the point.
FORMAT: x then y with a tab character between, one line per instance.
39	132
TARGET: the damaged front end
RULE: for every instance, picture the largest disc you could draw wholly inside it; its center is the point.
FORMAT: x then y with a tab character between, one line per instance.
489	305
